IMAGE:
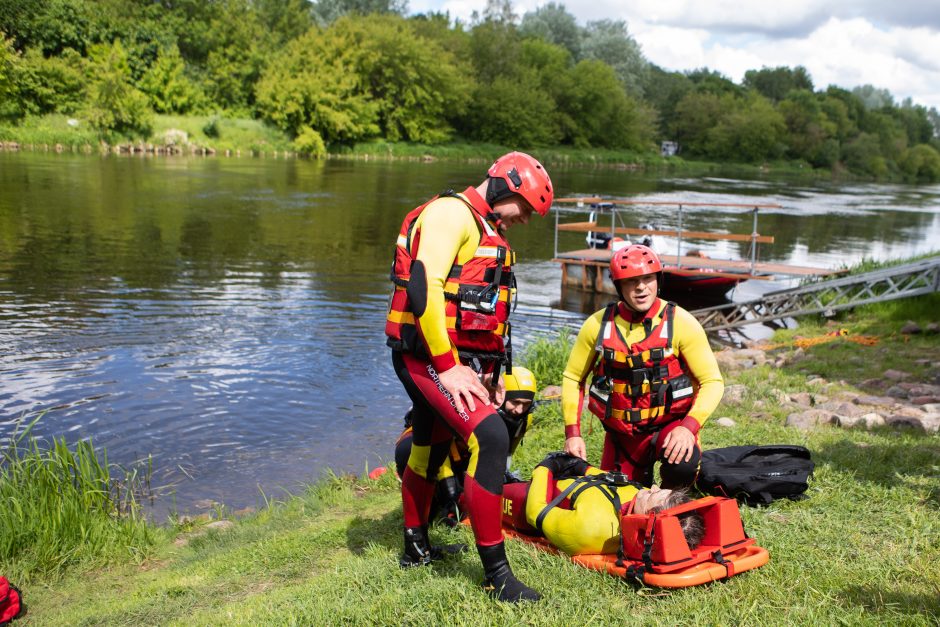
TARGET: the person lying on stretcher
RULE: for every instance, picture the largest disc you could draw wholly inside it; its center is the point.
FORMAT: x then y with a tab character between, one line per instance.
578	507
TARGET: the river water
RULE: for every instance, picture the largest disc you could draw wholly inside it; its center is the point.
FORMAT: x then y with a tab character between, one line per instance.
226	315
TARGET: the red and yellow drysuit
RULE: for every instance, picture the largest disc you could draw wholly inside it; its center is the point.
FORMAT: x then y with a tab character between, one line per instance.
453	286
649	374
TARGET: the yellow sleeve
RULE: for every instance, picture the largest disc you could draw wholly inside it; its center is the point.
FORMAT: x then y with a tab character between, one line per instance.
692	347
448	231
579	366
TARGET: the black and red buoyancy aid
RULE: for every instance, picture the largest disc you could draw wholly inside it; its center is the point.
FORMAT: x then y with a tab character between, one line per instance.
643	386
478	293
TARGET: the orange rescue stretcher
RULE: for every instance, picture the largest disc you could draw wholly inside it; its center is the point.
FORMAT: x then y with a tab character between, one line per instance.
653	548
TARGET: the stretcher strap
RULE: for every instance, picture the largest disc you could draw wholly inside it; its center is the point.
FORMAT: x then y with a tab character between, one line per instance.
720	559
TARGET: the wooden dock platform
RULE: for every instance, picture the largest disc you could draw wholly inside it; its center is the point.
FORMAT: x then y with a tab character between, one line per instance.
587	268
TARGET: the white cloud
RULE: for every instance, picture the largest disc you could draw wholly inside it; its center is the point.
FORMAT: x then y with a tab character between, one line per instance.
893	46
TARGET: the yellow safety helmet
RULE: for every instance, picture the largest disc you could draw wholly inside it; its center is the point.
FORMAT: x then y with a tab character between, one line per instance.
520	384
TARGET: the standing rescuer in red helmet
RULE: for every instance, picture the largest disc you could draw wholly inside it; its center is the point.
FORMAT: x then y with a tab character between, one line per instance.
447	324
654	380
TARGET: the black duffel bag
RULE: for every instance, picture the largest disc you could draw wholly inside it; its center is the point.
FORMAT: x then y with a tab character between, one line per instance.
756	475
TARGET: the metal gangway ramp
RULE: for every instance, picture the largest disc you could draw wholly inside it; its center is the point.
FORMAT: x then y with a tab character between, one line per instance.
827	297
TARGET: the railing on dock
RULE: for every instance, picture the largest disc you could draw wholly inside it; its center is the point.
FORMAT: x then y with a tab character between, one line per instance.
827	297
617	227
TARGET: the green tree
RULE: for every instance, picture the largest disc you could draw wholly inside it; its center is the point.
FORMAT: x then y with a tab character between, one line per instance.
750	130
436	27
168	87
854	108
8	70
713	82
776	83
312	83
416	86
920	164
696	114
239	47
54	84
48	25
508	111
115	105
601	112
808	128
554	24
915	121
664	91
310	143
863	155
285	19
837	111
495	50
892	138
609	41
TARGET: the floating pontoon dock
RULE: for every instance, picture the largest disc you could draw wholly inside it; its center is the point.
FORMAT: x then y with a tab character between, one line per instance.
586	268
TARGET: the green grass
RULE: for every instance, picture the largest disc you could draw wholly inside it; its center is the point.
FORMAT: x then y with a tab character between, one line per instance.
547	355
245	135
862	549
49	130
232	134
63	508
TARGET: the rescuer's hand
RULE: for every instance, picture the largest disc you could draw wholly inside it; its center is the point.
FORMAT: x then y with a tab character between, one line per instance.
498	391
463	384
575	446
678	445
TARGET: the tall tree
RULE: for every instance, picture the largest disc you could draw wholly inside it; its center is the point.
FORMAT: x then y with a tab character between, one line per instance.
116	105
776	83
365	76
554	24
808	128
664	91
8	86
168	87
610	42
312	83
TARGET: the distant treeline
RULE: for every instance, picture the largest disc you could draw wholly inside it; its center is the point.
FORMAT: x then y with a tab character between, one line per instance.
337	72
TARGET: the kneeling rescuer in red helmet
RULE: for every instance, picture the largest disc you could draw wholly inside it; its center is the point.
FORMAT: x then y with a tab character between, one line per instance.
654	380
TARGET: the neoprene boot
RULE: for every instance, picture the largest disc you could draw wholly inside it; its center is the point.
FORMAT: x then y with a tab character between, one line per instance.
498	580
418	549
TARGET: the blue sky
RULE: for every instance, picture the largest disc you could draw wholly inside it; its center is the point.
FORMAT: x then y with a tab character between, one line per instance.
891	45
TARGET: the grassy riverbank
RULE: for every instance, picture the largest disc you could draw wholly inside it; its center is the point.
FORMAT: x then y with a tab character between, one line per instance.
247	137
862	549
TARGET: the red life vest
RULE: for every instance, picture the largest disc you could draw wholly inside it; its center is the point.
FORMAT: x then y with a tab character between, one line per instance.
478	293
640	387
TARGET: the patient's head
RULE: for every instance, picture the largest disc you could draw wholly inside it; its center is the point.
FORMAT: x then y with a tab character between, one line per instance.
655	499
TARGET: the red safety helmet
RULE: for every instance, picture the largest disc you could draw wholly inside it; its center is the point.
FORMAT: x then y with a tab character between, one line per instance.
519	173
633	261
